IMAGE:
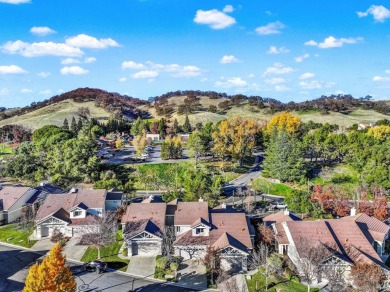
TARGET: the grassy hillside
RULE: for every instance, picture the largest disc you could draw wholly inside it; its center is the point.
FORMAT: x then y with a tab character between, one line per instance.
55	114
244	110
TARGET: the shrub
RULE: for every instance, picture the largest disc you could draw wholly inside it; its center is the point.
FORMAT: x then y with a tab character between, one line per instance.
56	236
340	178
125	252
174	266
162	262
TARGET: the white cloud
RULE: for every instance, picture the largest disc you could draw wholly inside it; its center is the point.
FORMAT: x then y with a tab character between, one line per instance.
73	70
41	49
123	79
278	68
45	92
132	65
4	91
332	42
41	30
26	90
380	79
387	71
145	74
251	75
68	61
270	28
214	18
379	12
315	84
15	1
276	80
281	88
44	74
300	59
307	75
86	41
228	59
12	69
274	50
188	71
228	9
90	60
232	82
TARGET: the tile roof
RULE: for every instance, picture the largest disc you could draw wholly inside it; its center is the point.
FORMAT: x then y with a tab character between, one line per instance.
187	212
53	202
375	228
10	195
137	212
341	234
277	219
134	228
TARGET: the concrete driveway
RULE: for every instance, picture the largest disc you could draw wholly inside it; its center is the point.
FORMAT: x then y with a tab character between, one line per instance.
73	250
192	274
43	245
142	266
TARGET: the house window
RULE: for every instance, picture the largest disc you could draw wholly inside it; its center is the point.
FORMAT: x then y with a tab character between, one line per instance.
199	230
177	228
76	213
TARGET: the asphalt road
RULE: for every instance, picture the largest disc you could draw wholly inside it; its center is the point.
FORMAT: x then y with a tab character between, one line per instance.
14	265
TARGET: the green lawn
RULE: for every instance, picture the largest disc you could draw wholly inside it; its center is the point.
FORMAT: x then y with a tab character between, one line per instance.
15	236
109	254
5	149
277	189
275	284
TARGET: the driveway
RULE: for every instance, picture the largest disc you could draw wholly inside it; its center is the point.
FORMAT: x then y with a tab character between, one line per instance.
43	245
192	273
73	250
142	266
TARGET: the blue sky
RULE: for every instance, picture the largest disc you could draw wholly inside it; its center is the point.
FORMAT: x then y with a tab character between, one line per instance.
288	50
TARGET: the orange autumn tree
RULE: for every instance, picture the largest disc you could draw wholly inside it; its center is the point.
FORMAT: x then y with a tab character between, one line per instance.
51	275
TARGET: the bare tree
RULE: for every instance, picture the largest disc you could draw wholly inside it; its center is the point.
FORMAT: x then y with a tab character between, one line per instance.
212	262
368	276
102	232
27	221
168	237
230	284
259	256
273	265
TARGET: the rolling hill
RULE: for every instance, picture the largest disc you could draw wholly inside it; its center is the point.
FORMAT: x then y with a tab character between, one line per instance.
102	105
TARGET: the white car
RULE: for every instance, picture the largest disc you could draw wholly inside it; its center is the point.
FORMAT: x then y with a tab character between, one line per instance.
145	155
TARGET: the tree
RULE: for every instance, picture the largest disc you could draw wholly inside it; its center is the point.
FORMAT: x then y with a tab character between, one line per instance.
379	132
102	232
379	206
162	126
73	126
367	276
266	234
273	265
118	144
51	275
139	143
172	148
283	121
137	127
195	146
299	201
175	129
79	125
212	262
213	108
235	137
27	221
187	126
65	126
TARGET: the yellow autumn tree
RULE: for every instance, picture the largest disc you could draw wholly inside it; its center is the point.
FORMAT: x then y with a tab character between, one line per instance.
379	132
236	137
51	275
286	121
140	142
118	144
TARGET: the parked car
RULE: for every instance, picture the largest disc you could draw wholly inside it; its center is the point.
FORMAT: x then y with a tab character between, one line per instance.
96	266
145	155
281	205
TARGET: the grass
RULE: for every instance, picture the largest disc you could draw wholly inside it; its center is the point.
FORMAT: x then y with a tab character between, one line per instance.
275	284
5	149
277	189
16	236
109	254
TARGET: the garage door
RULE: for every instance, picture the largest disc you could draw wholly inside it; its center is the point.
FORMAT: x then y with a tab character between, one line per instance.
146	248
44	231
233	264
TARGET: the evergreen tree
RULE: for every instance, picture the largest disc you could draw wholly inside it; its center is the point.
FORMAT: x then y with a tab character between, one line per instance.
138	127
66	124
199	126
73	126
175	128
284	157
51	275
79	125
162	125
187	126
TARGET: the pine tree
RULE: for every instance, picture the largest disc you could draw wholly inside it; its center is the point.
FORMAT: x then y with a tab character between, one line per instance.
66	124
51	274
79	125
176	128
161	128
73	126
187	126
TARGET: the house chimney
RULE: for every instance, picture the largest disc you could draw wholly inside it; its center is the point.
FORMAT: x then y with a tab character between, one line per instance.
200	199
151	197
223	205
73	190
353	211
286	212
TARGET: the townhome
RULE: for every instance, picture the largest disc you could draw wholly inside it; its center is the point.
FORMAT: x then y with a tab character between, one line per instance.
70	213
12	201
143	226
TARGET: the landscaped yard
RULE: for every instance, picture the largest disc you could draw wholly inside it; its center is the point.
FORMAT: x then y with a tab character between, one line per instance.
15	236
109	254
275	284
265	186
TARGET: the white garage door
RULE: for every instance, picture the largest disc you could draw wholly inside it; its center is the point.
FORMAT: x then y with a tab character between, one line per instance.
232	264
188	254
146	248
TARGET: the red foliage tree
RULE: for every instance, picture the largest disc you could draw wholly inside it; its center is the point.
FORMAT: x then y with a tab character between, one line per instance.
324	197
364	205
342	208
154	128
367	277
266	234
380	207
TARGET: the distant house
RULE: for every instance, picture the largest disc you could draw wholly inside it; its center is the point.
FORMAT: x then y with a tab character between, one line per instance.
41	193
114	199
70	213
12	201
143	225
152	137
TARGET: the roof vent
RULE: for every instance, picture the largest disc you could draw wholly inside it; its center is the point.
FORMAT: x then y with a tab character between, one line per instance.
151	197
223	205
73	190
201	199
353	211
